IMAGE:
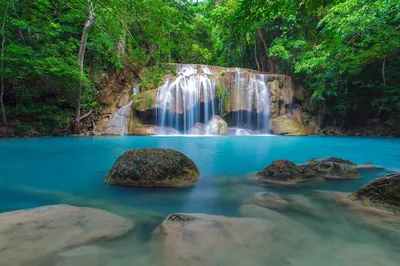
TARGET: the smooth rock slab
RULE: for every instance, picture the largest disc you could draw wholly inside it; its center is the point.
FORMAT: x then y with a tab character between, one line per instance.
27	236
201	239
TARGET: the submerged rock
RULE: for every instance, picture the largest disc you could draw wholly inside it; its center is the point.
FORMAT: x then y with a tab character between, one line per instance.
286	173
27	236
201	239
283	125
382	192
153	168
294	202
269	200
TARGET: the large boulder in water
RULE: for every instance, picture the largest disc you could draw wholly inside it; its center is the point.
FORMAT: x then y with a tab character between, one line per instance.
27	236
201	239
285	173
382	192
153	168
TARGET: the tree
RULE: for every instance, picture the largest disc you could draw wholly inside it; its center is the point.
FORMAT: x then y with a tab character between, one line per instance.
2	66
81	56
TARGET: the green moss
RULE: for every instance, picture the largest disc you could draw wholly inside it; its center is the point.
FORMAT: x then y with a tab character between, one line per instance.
153	76
150	101
223	95
138	100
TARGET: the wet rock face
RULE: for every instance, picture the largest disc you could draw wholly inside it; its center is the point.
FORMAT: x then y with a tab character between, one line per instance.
286	173
283	125
153	168
201	239
217	126
27	236
381	192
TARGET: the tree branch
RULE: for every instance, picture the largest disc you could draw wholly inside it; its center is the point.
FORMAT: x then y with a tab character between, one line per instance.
2	67
86	115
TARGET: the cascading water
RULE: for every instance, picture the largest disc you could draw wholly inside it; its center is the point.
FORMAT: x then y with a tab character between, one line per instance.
190	99
258	99
187	100
253	104
118	121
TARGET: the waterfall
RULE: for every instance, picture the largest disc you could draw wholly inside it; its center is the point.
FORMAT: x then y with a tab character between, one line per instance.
252	102
258	100
118	121
187	100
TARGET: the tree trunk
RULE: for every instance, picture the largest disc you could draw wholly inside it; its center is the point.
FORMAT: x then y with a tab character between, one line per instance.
2	67
383	72
271	66
76	126
255	55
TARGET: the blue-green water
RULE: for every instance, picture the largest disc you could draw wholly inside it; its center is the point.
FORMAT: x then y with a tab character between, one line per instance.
78	166
71	170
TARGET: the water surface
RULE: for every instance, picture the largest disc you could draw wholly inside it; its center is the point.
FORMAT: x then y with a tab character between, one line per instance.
42	171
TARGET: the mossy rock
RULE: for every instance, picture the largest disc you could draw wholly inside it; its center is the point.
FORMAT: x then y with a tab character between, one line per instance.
286	173
383	192
153	168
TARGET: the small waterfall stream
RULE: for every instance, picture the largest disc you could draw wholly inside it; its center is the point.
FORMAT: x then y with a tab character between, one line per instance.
118	121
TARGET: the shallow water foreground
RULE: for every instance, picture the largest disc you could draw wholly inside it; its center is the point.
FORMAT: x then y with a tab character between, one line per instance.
226	229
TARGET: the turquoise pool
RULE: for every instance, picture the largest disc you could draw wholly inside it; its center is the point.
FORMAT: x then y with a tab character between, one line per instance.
71	170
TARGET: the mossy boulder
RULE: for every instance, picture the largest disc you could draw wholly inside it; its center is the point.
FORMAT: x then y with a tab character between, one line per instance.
383	192
286	173
153	168
334	168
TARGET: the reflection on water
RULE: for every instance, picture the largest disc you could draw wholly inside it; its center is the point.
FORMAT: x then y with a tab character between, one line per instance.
313	231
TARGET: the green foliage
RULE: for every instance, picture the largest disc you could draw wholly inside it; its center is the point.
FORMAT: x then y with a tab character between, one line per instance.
150	101
153	76
223	96
138	100
345	51
336	47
